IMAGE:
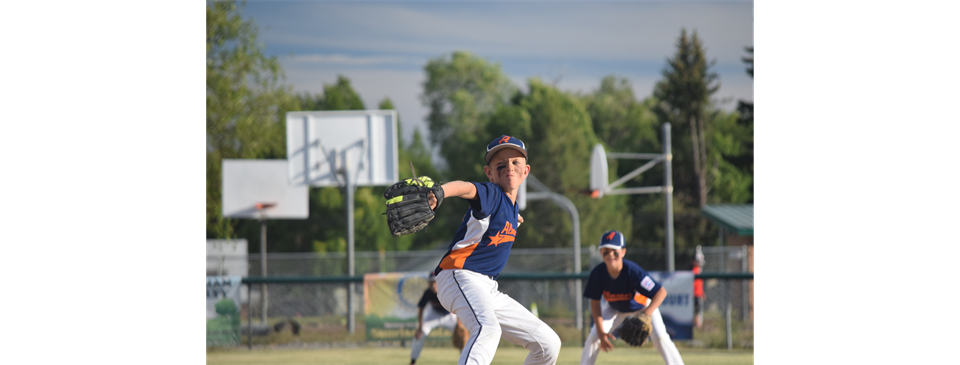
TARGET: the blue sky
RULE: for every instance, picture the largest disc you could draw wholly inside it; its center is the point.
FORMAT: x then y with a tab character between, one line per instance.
382	46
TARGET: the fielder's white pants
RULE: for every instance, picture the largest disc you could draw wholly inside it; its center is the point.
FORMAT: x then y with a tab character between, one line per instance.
612	318
489	314
431	319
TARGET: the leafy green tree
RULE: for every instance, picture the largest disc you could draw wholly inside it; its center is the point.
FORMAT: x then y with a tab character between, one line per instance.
462	91
731	184
625	124
246	107
622	123
336	96
559	135
684	93
324	230
472	101
245	101
419	154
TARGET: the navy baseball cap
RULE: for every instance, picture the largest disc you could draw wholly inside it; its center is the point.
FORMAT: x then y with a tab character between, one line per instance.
502	142
612	239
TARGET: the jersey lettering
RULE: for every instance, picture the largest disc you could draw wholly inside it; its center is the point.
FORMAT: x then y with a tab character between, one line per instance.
610	297
507	234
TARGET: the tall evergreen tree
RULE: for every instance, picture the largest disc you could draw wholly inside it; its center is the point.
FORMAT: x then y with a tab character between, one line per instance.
684	94
745	120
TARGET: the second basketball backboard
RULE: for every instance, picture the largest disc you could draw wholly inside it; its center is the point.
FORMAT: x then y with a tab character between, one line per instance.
599	177
256	189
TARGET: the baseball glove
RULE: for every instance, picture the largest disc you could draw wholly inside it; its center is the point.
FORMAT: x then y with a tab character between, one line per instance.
408	206
460	336
636	329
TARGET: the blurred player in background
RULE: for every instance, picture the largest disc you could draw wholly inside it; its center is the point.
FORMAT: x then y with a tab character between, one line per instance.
619	288
467	273
428	319
698	294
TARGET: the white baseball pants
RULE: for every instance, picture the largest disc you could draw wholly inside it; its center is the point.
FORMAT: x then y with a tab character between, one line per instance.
489	314
431	319
612	318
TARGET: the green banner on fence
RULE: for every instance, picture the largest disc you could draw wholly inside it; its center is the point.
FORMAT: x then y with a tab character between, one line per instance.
223	310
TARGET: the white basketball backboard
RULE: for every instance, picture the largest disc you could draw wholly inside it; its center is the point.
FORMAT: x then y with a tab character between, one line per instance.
322	145
247	183
599	177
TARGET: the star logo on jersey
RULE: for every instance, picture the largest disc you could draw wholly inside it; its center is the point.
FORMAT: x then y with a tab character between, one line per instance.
507	234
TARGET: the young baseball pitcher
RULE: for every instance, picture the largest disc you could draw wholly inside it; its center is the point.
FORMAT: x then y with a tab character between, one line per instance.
618	289
467	273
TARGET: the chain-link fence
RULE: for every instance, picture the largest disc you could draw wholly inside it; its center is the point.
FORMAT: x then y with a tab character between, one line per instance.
556	299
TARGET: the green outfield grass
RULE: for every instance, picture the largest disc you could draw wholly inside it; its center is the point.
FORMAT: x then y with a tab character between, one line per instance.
333	329
447	356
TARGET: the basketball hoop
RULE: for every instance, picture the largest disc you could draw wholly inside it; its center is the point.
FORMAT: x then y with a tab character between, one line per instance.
262	209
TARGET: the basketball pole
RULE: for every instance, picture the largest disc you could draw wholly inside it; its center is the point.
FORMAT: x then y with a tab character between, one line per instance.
263	259
351	187
599	186
668	194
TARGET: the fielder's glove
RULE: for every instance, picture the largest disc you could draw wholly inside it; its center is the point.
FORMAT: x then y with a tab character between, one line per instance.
408	206
636	329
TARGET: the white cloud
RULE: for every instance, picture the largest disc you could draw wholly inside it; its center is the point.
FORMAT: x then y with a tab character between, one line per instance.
343	59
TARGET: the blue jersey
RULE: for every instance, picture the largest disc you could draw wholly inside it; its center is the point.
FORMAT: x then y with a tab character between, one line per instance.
628	292
486	234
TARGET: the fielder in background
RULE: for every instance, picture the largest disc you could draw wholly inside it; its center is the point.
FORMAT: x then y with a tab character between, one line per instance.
428	319
467	273
698	295
618	289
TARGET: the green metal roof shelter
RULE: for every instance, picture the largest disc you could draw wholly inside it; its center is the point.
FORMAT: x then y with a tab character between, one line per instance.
736	219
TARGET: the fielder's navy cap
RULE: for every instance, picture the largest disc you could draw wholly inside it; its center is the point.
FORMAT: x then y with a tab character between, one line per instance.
612	239
432	277
502	142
